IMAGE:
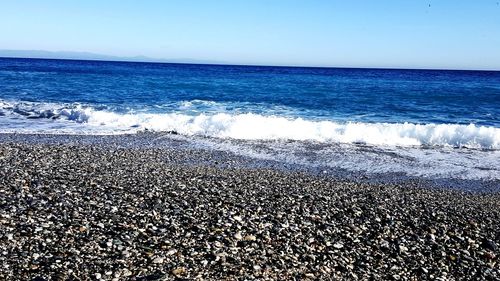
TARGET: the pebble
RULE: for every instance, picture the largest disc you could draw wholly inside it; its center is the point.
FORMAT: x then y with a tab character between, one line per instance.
158	260
338	245
179	271
489	244
250	238
150	214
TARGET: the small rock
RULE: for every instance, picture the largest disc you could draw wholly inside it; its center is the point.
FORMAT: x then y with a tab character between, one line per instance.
126	272
179	271
158	260
338	245
238	236
489	256
250	238
489	244
403	249
171	252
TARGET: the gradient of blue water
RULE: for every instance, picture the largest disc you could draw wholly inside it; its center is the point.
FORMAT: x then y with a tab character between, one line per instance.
367	95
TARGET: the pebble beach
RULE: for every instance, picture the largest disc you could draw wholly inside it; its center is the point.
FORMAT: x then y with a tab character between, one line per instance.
102	212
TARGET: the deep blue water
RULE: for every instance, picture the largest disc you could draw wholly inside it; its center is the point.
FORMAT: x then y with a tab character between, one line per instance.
367	95
428	123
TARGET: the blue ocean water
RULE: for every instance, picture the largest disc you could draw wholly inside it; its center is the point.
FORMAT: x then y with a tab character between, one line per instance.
383	108
364	95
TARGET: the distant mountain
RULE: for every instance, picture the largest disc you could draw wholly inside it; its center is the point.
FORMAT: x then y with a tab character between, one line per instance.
40	54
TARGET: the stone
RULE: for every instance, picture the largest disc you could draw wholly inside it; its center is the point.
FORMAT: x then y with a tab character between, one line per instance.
489	245
179	271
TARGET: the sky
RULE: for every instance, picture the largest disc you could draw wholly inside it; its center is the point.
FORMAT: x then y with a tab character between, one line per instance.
446	34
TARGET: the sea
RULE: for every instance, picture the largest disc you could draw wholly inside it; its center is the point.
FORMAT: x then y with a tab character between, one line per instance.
433	125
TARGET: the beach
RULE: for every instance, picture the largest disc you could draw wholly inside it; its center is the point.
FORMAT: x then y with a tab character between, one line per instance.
100	210
251	140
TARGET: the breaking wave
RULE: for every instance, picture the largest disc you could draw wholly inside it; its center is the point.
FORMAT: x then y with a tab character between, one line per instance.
248	126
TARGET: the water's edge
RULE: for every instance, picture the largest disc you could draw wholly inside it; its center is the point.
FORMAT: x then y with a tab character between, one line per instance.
241	154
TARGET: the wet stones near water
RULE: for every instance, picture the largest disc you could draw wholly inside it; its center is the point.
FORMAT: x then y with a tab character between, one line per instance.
111	213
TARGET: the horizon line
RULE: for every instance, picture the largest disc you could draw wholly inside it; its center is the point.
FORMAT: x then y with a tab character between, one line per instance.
166	61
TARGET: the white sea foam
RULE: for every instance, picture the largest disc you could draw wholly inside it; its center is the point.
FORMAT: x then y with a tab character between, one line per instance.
437	163
248	126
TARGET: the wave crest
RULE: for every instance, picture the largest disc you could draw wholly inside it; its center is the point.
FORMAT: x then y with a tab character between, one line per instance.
251	126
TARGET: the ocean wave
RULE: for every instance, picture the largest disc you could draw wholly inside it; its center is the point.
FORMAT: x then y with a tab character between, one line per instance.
251	126
188	104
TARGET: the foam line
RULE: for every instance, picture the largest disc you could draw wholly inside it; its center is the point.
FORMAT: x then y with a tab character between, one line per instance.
251	126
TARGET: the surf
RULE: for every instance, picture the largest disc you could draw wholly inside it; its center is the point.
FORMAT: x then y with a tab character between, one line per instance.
246	126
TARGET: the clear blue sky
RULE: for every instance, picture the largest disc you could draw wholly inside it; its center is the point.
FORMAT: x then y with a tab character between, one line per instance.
410	34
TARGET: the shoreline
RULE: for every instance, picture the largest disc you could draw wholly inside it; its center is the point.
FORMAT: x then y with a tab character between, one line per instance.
94	211
229	152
